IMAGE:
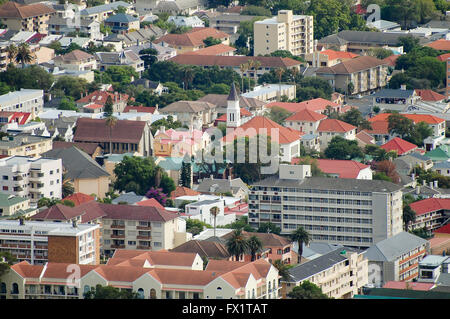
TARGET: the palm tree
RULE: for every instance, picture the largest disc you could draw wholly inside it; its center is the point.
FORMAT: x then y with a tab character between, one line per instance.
243	67
301	236
250	64
24	54
237	244
254	245
188	76
110	122
214	211
283	269
279	73
11	51
67	186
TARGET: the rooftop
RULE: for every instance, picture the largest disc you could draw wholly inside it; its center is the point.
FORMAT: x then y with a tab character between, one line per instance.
399	145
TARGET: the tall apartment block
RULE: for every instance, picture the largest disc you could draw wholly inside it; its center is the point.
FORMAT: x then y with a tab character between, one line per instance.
31	177
25	100
286	31
41	242
351	212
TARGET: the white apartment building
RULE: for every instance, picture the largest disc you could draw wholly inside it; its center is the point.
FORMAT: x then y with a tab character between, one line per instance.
349	212
201	210
340	274
285	31
25	100
30	177
41	242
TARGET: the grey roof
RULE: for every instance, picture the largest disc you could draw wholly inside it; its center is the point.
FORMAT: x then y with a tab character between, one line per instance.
332	184
426	191
319	264
233	96
105	7
443	280
392	248
419	156
124	57
56	20
21	139
177	4
77	163
205	202
187	107
380	38
392	93
232	18
209	185
130	198
442	165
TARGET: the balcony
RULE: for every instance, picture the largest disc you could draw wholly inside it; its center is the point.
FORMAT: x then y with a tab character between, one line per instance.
118	246
143	227
117	236
143	247
144	237
118	226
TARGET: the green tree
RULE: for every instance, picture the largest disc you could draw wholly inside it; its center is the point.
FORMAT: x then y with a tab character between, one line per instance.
340	148
23	54
279	114
283	269
355	118
255	245
186	173
307	290
109	292
210	41
380	53
269	228
315	170
301	236
108	108
237	244
408	42
67	103
6	261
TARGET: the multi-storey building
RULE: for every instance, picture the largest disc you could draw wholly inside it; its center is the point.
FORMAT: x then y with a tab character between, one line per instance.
431	213
285	31
31	177
396	258
448	78
25	145
26	17
220	280
12	206
340	273
42	242
25	100
350	212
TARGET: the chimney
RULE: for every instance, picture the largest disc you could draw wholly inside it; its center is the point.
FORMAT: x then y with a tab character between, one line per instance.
403	87
417	190
424	183
436	184
431	184
74	223
211	176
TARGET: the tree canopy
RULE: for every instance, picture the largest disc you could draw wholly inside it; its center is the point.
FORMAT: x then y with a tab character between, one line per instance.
307	290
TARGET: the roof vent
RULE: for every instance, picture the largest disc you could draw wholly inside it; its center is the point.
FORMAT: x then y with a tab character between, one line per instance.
343	252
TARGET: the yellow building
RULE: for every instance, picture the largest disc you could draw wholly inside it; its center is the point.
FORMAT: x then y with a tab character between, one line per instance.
286	31
25	145
32	17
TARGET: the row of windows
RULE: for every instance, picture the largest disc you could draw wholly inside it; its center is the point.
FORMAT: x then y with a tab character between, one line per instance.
329	219
327	200
307	191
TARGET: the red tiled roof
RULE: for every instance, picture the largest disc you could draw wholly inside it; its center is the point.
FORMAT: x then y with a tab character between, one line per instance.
354	65
399	145
306	115
217	49
333	125
193	37
96	130
365	137
183	191
378	128
100	97
333	55
416	118
79	198
391	60
262	125
16	10
443	57
150	202
430	205
223	117
143	109
344	168
440	44
93	106
422	286
443	230
430	95
19	117
318	104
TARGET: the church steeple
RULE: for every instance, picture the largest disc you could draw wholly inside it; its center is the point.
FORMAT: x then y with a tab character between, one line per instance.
233	108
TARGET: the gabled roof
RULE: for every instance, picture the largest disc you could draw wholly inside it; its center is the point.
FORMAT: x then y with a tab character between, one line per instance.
443	57
351	66
306	115
416	118
183	191
399	145
392	248
217	49
79	198
187	106
318	104
89	148
430	205
344	168
121	17
77	163
333	55
443	230
378	128
154	258
267	239
391	60
150	202
96	130
440	44
204	248
430	95
263	125
73	56
234	61
193	37
334	125
365	137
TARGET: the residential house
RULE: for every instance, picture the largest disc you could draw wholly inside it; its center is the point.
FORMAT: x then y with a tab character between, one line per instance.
188	22
42	242
439	154
228	23
328	58
442	168
400	146
255	106
125	136
102	12
79	198
76	60
61	26
176	7
177	143
412	160
394	99
384	25
272	92
192	40
31	177
364	138
431	213
201	210
329	128
431	268
125	57
205	249
441	44
305	121
195	114
84	173
98	97
276	199
122	22
31	17
286	31
25	145
215	186
93	150
365	73
396	258
130	198
134	40
340	274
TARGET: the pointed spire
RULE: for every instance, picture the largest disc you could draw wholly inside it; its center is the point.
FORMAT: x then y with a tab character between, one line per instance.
233	96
